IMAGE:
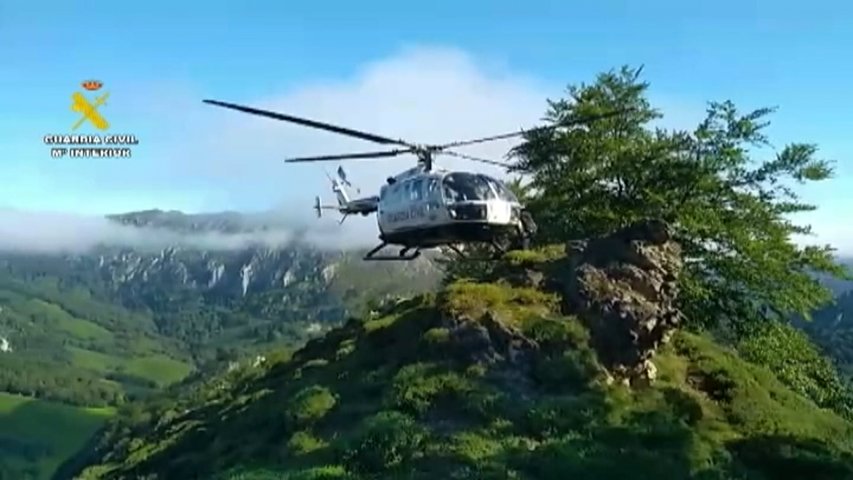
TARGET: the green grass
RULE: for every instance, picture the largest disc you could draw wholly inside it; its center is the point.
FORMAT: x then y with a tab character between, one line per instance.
37	436
157	368
96	361
56	317
84	329
399	397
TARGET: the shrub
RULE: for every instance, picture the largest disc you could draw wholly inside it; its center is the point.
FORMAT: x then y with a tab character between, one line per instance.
417	387
303	442
309	405
797	362
383	441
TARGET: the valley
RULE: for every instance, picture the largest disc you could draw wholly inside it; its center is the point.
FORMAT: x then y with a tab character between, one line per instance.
37	436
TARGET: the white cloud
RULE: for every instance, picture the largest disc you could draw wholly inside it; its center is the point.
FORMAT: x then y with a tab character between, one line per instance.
421	95
60	232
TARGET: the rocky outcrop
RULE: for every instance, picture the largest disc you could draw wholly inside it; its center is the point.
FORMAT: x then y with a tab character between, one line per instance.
490	339
624	287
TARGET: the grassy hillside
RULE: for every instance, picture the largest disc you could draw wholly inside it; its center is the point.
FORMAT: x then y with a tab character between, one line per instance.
37	436
832	328
483	378
70	347
71	341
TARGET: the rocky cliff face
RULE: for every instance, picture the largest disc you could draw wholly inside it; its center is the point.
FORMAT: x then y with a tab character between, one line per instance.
624	288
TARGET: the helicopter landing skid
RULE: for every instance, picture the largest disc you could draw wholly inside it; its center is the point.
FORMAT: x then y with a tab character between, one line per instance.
405	254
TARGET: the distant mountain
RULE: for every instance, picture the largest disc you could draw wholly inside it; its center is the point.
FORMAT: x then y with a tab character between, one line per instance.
90	311
228	295
113	323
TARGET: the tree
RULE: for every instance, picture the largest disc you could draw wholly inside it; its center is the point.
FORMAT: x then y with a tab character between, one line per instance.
729	212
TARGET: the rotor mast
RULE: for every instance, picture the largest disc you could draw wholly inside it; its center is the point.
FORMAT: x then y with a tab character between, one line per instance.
425	158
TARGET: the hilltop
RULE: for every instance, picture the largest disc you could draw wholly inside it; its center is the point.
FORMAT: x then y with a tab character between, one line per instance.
566	358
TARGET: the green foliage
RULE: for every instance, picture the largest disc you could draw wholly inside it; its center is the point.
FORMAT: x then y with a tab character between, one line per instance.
418	387
404	411
436	336
790	354
557	332
731	213
112	327
310	405
475	298
36	436
832	328
72	348
383	442
303	442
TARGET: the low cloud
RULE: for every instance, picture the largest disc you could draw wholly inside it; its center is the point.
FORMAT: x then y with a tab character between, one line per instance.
55	232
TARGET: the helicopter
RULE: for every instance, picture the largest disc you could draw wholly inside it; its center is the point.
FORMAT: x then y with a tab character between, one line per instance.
427	207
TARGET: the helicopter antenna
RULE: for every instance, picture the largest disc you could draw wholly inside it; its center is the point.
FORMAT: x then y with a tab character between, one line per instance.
424	153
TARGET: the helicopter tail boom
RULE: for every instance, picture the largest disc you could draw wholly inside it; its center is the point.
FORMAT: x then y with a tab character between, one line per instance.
345	206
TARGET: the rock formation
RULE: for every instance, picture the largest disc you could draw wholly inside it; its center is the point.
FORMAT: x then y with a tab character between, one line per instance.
624	287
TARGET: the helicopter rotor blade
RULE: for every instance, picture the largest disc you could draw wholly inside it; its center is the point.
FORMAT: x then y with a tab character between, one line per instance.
351	156
311	123
475	159
578	121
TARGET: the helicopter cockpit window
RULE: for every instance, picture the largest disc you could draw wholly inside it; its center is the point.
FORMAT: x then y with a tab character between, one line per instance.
432	186
417	186
462	187
503	192
394	194
407	191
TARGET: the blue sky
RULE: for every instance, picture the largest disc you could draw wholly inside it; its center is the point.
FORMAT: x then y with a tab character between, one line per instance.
440	69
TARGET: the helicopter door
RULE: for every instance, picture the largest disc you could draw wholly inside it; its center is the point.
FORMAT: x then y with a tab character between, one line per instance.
417	203
432	197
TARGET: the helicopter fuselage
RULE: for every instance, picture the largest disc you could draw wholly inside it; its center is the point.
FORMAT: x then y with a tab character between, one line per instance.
430	209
